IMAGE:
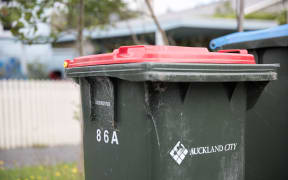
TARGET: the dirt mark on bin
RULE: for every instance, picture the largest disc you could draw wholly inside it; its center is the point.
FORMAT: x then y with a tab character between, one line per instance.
149	112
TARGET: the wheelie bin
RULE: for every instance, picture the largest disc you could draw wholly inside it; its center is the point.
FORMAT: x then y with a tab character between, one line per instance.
267	123
167	112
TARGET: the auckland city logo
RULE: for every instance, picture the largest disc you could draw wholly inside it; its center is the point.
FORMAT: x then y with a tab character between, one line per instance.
179	152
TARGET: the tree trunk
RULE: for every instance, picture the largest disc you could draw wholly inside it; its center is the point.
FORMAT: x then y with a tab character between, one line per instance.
286	11
240	14
163	33
80	27
133	35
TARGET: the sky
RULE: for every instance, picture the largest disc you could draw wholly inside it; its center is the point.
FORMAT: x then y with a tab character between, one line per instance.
162	6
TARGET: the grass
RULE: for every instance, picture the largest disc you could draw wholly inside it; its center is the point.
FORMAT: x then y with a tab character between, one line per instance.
63	171
279	16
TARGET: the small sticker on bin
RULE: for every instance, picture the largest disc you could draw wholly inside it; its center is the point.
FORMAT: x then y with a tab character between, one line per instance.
102	101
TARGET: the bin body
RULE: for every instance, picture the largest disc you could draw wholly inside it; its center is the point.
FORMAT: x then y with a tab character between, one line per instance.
267	122
167	121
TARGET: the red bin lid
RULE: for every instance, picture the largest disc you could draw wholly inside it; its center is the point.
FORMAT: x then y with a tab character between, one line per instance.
163	54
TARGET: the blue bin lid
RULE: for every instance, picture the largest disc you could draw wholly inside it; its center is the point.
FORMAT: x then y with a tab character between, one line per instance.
249	39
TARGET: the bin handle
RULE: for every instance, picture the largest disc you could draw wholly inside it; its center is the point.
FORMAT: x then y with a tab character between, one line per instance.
123	50
240	51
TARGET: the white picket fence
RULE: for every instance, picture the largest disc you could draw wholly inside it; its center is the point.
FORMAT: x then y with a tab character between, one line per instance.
38	113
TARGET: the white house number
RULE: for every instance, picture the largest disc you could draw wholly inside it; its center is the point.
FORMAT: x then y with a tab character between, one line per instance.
106	136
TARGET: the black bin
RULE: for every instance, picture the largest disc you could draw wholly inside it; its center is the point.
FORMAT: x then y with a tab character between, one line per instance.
267	124
164	112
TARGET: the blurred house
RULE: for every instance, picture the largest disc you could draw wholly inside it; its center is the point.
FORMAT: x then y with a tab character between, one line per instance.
251	6
11	60
16	56
191	27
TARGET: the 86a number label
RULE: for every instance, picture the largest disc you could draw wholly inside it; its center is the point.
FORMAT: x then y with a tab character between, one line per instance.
106	136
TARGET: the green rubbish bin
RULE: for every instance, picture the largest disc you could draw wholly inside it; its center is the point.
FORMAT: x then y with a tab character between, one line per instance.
267	123
167	112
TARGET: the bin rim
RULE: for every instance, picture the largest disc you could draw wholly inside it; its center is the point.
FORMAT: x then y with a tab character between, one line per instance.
179	72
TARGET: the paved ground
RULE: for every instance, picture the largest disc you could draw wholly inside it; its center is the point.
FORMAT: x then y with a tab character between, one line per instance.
38	156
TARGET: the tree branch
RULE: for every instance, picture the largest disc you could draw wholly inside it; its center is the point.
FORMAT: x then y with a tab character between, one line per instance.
240	14
80	27
163	33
